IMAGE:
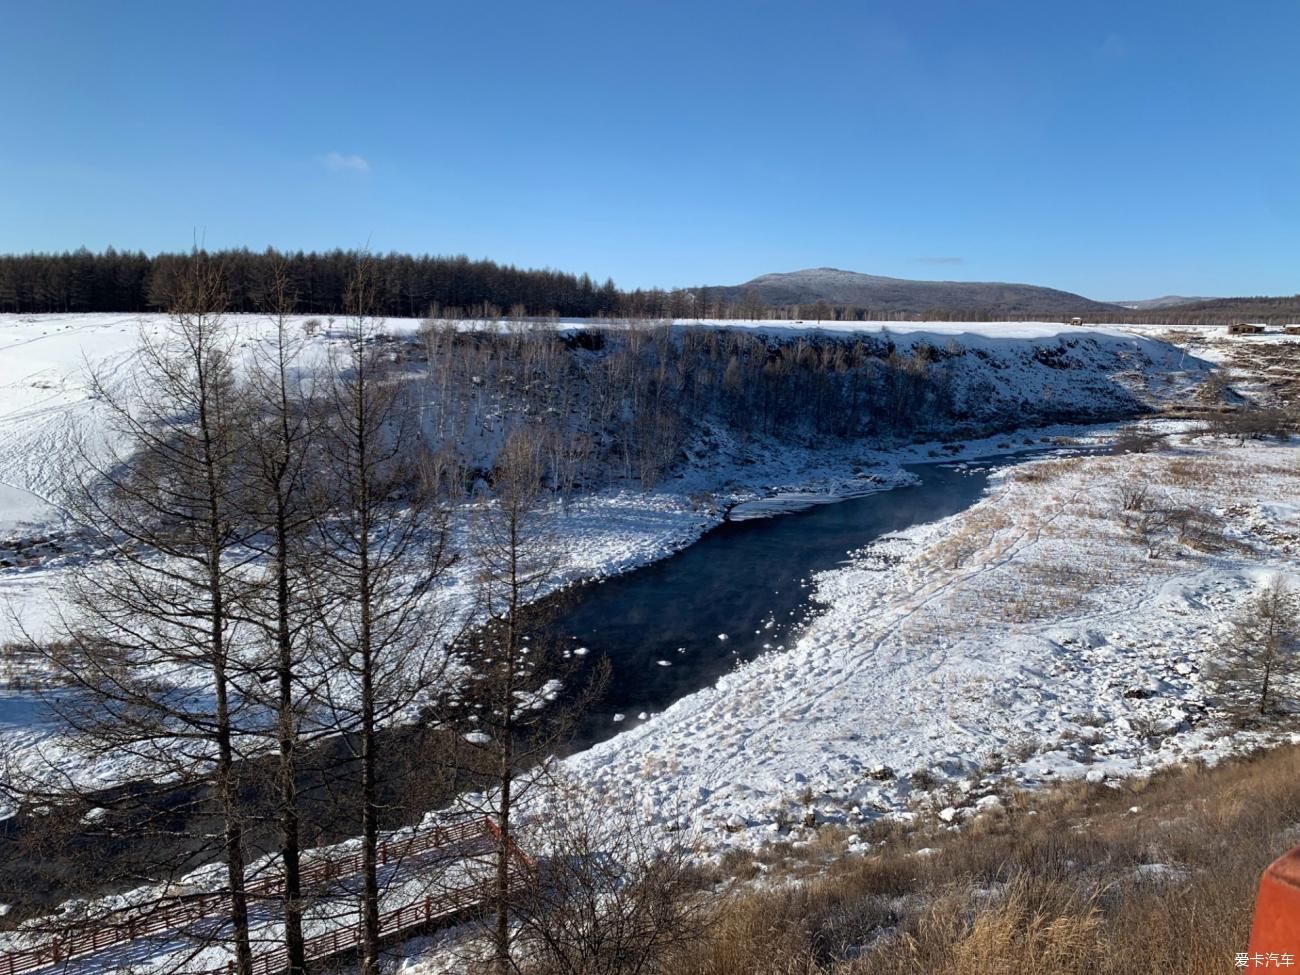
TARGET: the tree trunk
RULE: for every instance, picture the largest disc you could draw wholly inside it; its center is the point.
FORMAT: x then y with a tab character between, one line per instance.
502	933
290	839
234	832
369	820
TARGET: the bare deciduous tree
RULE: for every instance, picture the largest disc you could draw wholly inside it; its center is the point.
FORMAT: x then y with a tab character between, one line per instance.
280	502
150	650
1262	651
381	543
511	716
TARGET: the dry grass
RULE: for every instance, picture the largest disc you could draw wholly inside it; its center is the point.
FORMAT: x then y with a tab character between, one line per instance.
1193	472
977	530
1080	501
1069	881
1047	471
1157	875
24	668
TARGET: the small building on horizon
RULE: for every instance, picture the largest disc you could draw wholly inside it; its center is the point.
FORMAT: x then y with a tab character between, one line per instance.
1246	328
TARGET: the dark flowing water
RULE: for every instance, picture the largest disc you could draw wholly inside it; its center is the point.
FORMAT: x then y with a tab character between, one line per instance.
660	626
743	589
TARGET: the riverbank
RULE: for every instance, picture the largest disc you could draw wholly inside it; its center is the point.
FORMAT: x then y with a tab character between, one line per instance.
597	537
993	373
930	694
1030	678
611	531
1030	638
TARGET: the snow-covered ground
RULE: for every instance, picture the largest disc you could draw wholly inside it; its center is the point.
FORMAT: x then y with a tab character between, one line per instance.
1028	638
45	361
45	402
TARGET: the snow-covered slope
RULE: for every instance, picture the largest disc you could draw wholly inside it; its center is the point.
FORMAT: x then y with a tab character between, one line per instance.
1006	372
1027	638
45	362
1026	370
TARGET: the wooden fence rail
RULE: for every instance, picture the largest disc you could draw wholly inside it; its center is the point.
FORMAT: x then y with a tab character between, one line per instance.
349	938
116	929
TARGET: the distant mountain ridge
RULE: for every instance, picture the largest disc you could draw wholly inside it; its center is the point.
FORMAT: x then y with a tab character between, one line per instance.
1167	301
870	291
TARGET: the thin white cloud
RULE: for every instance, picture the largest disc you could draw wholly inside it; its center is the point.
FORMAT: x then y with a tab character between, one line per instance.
339	162
1114	46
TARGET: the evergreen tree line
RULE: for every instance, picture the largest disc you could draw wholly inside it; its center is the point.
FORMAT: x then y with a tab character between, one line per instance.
454	287
130	281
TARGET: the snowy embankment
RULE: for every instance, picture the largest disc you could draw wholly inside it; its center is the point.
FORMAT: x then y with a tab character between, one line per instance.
1028	638
1000	372
1001	375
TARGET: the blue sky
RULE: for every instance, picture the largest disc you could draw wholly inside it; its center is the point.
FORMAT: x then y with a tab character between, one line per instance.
1120	150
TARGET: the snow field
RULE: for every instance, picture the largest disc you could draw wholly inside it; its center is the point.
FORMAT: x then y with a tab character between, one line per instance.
929	665
45	404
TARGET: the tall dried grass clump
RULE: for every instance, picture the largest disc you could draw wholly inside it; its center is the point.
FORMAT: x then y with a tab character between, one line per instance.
1151	876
